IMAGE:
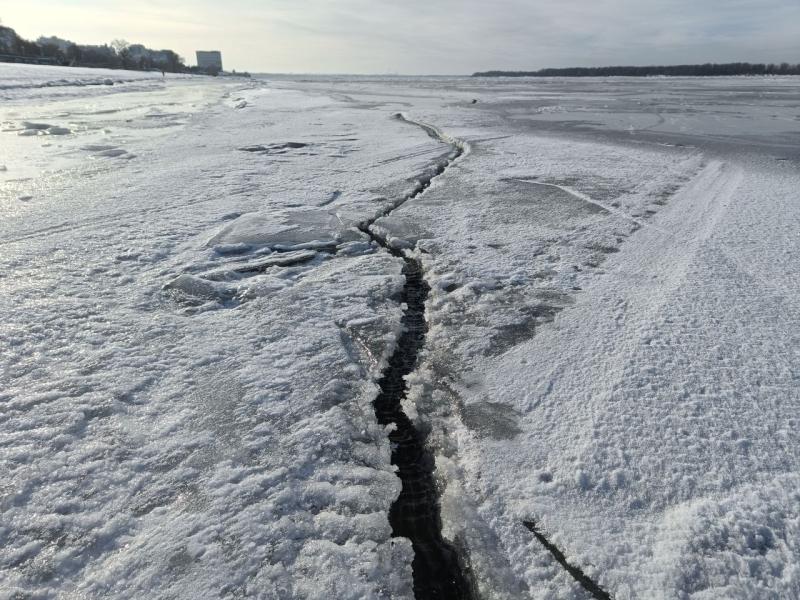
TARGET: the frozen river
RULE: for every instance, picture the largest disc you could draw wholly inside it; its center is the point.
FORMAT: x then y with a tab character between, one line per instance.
289	337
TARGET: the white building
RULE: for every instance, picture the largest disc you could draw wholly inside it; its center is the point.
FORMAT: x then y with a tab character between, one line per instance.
209	60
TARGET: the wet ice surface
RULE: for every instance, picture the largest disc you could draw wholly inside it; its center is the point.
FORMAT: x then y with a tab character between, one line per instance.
193	328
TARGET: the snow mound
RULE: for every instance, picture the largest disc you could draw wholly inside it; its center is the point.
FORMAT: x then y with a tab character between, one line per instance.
743	545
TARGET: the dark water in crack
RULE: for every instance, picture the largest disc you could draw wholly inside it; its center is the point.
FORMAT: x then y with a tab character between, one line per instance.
577	574
438	570
415	515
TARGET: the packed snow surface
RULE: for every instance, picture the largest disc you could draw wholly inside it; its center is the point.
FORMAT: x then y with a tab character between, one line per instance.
194	325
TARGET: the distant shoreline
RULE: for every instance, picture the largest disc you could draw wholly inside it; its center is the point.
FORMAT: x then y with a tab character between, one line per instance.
704	70
118	55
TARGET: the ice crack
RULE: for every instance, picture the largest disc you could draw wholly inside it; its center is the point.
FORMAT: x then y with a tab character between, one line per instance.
438	570
577	574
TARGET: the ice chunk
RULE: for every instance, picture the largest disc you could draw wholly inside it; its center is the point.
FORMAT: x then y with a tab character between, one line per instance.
200	288
111	153
228	249
98	147
292	230
400	232
58	131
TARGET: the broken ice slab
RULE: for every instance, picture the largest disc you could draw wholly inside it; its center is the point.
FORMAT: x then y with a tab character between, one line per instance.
301	229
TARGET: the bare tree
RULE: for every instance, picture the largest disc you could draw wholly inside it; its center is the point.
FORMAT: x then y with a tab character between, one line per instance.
122	48
119	45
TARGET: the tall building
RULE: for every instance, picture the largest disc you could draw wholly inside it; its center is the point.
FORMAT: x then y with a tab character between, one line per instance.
209	60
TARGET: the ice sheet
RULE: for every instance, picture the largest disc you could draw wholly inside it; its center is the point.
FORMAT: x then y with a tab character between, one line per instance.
193	325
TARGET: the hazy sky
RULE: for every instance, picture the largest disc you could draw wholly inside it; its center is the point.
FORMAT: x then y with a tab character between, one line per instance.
428	36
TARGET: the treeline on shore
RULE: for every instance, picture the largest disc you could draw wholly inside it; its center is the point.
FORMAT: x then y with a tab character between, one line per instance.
704	70
119	54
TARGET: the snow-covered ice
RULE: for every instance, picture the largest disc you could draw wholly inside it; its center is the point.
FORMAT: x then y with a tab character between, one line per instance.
189	357
194	324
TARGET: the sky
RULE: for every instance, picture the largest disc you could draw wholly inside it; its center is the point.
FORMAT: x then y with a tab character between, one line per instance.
427	36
